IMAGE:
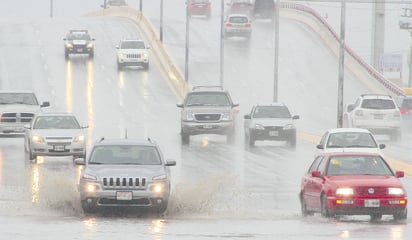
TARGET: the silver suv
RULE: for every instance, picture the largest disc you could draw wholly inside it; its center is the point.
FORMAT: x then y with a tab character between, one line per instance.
207	110
125	173
132	52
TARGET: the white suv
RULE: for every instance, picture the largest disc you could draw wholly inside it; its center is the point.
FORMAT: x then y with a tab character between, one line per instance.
132	53
375	112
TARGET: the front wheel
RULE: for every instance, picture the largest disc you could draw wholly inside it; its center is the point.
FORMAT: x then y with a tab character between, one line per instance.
87	207
400	216
185	138
303	208
324	212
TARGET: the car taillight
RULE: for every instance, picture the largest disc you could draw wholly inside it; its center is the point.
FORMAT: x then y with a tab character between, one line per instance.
229	24
248	25
404	111
208	5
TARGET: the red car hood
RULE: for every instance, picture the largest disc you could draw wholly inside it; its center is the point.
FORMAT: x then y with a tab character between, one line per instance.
365	181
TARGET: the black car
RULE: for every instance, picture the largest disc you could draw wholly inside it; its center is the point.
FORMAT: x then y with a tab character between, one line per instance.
78	42
271	121
264	9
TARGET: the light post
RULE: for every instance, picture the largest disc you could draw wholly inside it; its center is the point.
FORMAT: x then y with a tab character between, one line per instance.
222	44
51	8
276	62
187	44
140	5
341	62
161	21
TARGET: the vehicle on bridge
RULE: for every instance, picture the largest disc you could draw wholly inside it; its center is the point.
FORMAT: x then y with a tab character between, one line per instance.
78	42
200	7
237	25
132	52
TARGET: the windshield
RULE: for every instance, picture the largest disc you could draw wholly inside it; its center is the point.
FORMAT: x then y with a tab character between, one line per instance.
350	140
78	36
132	45
358	165
271	112
56	122
18	98
208	98
125	154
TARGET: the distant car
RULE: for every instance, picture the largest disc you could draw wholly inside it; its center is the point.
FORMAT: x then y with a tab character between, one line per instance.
264	9
78	42
200	7
342	183
272	122
132	52
237	25
17	110
405	21
125	173
241	7
356	139
207	110
376	112
116	3
55	134
405	106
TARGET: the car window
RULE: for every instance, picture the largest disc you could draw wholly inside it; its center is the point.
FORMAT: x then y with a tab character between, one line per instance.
208	98
407	103
125	154
315	164
18	98
358	165
350	140
378	104
56	122
271	112
132	45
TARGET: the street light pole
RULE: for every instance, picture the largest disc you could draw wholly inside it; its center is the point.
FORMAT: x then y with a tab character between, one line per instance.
341	62
187	44
276	62
222	44
161	21
140	5
51	8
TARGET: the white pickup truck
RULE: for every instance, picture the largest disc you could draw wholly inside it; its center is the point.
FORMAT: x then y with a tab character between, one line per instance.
17	109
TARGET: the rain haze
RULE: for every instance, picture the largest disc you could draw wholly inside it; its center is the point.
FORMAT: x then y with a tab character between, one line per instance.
222	187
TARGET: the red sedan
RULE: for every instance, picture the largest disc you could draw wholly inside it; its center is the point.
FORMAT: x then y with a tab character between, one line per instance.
343	183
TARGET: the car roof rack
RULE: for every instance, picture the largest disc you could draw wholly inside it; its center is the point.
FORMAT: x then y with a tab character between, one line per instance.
375	94
207	87
72	31
100	140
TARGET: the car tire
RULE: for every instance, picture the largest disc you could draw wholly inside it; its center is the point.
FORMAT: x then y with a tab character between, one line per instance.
161	208
251	140
324	212
91	54
66	55
401	216
87	208
146	65
292	141
303	208
185	138
119	66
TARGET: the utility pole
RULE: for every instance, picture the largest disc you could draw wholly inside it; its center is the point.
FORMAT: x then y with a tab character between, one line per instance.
51	8
187	43
378	32
222	44
161	21
276	62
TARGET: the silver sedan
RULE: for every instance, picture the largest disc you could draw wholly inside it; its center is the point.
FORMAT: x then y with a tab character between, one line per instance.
55	134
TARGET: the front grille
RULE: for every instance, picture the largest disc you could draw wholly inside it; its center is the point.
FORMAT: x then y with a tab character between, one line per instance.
207	117
376	190
124	183
58	140
16	117
273	128
133	55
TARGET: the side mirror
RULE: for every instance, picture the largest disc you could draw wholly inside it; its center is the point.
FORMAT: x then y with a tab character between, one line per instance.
296	117
45	104
235	105
350	107
64	39
79	161
170	163
148	47
117	47
85	126
382	146
179	105
247	116
319	146
93	39
400	174
316	174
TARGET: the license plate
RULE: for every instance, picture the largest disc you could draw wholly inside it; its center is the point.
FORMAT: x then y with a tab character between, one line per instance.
124	196
273	133
372	203
79	50
58	148
207	126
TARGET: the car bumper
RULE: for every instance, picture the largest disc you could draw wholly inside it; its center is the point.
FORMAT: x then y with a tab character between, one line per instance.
47	149
79	50
194	128
359	206
275	135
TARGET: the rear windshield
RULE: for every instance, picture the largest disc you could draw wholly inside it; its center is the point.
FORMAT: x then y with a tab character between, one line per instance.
407	103
378	104
238	19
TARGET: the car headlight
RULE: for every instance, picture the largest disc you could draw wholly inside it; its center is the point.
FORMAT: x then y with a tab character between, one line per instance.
37	138
157	187
226	117
90	45
79	138
145	55
160	177
344	191
122	55
259	127
69	45
189	117
288	127
395	191
87	176
90	187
